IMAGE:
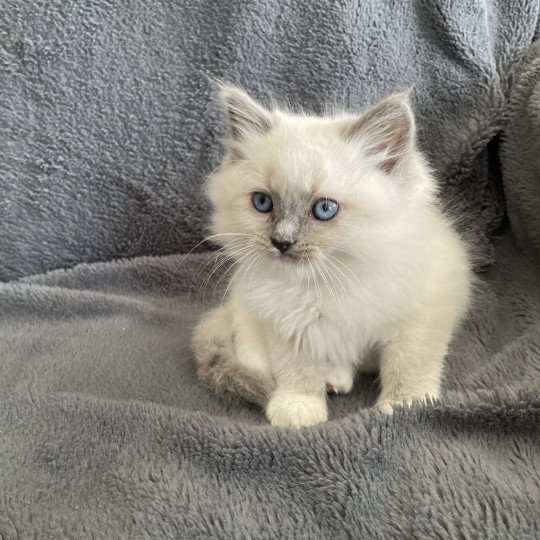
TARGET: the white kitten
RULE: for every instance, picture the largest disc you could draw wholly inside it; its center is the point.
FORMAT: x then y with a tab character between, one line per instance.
342	251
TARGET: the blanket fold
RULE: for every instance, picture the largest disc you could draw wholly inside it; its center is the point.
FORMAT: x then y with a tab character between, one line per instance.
109	126
105	431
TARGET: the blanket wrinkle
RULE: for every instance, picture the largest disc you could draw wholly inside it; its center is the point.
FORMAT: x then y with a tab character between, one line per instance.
110	124
107	432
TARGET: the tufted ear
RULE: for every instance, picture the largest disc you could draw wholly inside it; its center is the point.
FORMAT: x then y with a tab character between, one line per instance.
385	132
246	116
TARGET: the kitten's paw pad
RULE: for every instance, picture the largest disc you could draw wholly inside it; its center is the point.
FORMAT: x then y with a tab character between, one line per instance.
339	383
288	409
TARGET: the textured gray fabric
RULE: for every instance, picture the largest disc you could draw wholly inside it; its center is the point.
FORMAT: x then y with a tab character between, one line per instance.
109	123
520	153
105	432
108	126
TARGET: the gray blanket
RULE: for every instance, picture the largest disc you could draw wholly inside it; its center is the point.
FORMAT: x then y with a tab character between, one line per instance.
106	433
107	126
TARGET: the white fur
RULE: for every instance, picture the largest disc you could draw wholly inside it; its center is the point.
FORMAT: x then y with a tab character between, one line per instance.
388	272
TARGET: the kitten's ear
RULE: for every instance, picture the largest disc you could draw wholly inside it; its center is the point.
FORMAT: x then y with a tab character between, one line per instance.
385	132
246	116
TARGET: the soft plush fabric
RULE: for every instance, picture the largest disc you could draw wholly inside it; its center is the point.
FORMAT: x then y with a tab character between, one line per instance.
520	151
109	122
105	432
108	125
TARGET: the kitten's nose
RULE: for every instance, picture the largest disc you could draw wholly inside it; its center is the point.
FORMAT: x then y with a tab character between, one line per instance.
282	246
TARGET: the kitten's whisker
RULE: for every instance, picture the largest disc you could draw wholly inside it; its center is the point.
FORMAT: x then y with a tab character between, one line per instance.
202	289
259	260
227	257
250	253
346	268
322	270
239	245
315	283
213	255
242	254
323	277
217	265
302	268
351	283
333	279
205	239
307	273
236	253
256	258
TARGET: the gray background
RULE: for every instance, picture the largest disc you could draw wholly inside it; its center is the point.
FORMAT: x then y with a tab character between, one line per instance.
110	124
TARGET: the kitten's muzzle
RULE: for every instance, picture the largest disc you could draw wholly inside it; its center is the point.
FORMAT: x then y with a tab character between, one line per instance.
283	246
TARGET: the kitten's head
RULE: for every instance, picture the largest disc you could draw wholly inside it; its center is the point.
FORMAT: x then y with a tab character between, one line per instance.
295	188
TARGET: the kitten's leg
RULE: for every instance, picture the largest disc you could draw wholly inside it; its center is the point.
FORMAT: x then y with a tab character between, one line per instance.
300	397
231	355
411	364
249	340
339	378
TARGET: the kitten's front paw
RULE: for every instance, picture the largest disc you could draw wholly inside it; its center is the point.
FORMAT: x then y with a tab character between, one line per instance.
290	409
387	405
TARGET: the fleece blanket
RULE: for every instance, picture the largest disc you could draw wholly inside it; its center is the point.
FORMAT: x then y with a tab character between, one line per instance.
109	122
105	432
108	125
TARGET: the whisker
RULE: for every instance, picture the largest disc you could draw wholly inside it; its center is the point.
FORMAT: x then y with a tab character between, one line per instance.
345	276
335	278
206	240
244	253
255	258
315	283
259	260
302	268
346	268
214	255
250	253
233	254
323	276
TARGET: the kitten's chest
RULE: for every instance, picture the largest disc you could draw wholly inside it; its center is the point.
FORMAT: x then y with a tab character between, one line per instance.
325	327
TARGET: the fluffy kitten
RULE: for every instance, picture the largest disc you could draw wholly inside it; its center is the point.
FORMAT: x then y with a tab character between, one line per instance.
342	251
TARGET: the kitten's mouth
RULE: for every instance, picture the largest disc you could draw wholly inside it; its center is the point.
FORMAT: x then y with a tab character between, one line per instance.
285	257
288	258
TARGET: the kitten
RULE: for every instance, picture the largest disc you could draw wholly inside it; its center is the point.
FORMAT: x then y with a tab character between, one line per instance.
342	250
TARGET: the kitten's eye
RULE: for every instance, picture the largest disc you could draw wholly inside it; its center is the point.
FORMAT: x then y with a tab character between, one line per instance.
325	209
262	202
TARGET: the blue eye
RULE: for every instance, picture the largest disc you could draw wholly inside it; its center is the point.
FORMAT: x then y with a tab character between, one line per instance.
325	209
262	202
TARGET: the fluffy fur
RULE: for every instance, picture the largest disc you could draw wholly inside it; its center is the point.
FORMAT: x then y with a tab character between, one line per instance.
381	286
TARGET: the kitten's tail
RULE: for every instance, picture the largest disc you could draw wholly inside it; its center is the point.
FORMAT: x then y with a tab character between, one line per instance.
218	368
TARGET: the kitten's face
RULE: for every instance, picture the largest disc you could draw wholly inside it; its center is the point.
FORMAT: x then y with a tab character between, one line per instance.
296	189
